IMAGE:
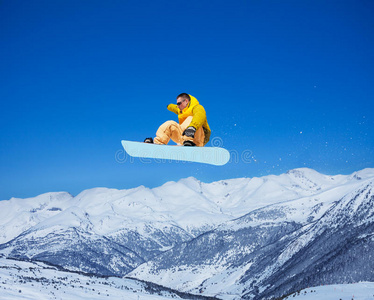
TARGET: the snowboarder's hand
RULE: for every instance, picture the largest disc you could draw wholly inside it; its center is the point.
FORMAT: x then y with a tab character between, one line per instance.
190	132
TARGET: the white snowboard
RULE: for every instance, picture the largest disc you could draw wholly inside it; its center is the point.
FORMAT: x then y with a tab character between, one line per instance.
208	155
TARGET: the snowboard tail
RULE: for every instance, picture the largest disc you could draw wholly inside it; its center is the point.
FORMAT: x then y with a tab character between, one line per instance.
208	155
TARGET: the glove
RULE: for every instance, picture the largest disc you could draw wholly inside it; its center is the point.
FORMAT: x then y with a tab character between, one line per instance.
190	132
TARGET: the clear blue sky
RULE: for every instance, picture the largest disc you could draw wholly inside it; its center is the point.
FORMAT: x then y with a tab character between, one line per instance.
289	82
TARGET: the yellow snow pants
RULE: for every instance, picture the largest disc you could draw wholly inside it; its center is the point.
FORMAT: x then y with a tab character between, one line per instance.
172	130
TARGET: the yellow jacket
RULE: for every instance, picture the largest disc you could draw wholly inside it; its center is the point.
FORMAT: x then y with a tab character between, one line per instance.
198	114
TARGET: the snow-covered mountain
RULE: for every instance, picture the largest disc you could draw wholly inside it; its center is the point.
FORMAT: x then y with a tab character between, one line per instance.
320	239
251	238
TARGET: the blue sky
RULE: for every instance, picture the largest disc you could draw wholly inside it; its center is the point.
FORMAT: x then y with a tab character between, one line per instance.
287	84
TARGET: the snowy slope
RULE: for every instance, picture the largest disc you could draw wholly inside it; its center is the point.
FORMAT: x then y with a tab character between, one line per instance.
357	291
26	280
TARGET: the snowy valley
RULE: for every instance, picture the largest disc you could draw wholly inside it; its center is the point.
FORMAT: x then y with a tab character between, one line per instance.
246	238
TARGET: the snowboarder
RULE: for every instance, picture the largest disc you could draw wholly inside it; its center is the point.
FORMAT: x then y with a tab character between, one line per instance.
193	128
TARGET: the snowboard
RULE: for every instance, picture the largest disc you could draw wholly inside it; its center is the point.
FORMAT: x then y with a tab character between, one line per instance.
207	155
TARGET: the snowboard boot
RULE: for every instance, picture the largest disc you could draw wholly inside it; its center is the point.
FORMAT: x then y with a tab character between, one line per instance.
148	140
189	143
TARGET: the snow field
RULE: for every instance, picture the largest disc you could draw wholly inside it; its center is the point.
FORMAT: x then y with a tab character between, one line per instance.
357	291
24	280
